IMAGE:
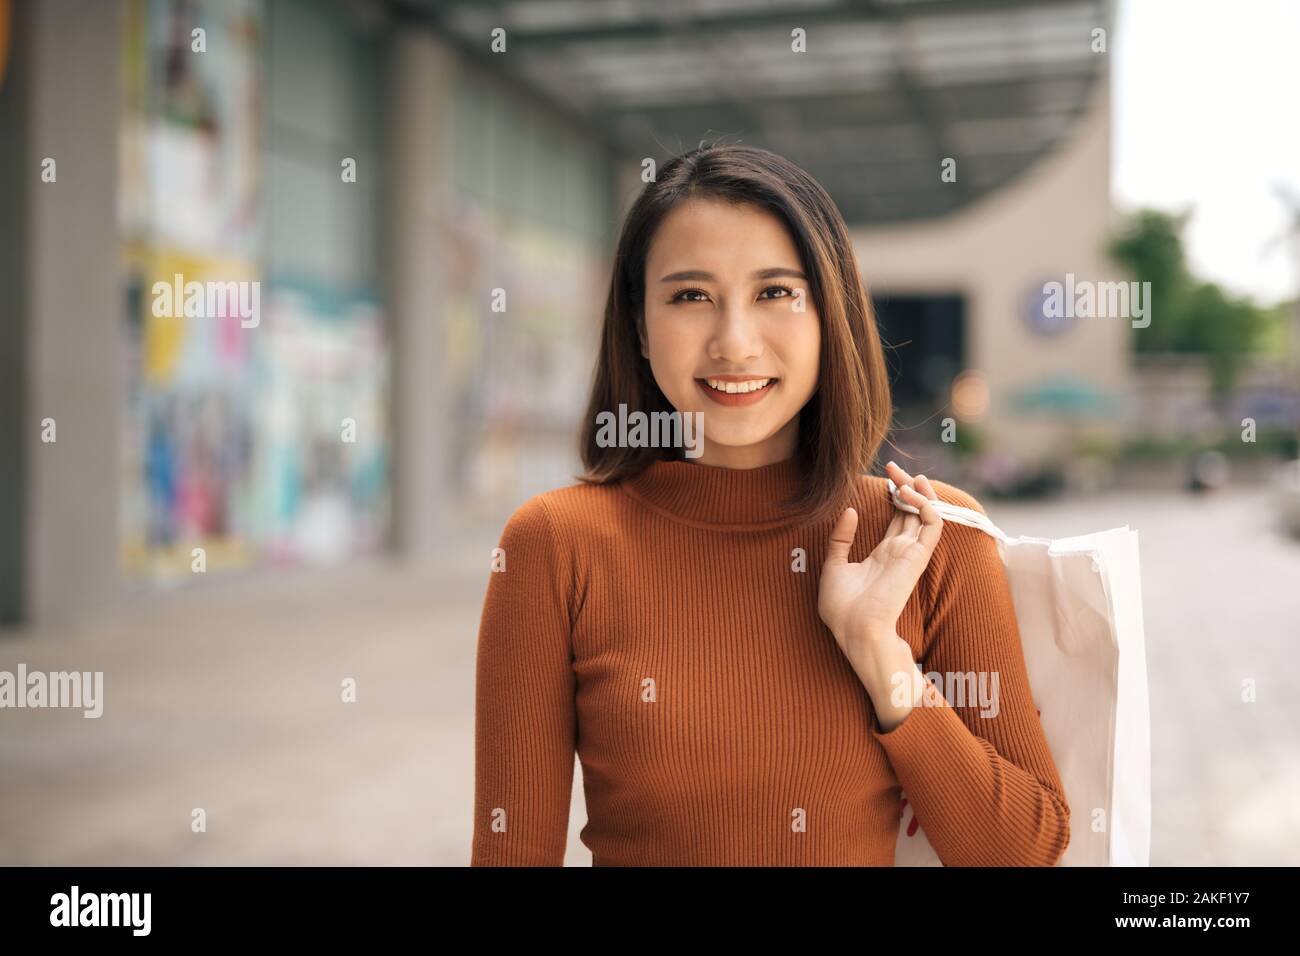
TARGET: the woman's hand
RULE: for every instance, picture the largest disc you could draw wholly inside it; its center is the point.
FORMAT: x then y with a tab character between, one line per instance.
861	602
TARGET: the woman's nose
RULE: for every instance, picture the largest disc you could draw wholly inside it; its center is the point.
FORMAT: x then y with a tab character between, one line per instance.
737	336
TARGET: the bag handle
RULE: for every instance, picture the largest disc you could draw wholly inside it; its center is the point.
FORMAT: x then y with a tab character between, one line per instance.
954	513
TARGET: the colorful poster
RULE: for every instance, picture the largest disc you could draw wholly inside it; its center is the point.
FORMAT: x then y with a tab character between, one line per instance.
519	377
189	213
188	438
193	125
323	429
255	430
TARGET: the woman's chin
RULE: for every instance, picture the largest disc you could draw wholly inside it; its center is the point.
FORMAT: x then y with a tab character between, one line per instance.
735	438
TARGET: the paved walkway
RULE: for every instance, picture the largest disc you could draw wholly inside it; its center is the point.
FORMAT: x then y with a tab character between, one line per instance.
229	701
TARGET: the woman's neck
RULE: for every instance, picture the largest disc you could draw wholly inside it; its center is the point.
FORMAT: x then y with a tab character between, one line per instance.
718	497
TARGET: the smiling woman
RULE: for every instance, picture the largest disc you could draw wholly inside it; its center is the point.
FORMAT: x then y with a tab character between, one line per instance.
726	341
730	704
730	272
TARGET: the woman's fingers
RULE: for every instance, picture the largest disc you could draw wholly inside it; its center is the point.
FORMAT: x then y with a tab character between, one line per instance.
910	496
926	526
901	479
897	475
931	532
930	525
922	484
842	538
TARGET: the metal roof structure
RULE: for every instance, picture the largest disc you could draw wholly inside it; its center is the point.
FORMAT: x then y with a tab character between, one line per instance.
886	90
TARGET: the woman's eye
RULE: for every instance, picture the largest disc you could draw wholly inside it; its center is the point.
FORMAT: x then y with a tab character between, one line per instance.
686	295
685	292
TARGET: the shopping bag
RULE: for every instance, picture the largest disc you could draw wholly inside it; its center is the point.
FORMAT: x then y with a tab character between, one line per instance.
1078	607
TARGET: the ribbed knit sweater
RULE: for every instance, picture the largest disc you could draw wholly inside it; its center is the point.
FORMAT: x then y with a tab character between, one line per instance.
661	629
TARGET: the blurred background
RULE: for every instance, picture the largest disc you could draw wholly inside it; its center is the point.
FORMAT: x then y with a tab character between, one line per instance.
380	166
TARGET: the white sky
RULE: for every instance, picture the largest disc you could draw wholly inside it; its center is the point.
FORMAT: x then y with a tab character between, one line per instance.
1206	100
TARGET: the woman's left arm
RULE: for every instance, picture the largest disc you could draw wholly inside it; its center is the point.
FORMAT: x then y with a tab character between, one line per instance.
980	777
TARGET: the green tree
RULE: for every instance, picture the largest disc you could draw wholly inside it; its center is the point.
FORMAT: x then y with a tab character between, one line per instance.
1187	315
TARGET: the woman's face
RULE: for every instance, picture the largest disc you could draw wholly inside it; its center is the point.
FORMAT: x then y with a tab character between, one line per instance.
727	303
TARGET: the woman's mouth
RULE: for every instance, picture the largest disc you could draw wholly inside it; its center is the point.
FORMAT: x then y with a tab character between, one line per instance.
736	390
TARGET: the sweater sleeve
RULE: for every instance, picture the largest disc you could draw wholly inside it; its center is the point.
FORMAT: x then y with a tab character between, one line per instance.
524	718
980	777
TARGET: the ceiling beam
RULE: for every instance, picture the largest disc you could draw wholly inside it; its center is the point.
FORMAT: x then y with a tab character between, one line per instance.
681	21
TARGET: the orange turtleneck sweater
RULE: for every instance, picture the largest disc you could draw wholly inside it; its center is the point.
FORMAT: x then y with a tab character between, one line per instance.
659	628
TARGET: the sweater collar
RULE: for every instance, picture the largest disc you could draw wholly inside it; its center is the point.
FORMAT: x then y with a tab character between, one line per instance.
716	497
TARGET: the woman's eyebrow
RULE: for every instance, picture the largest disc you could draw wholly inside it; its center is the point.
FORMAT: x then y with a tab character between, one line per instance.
776	272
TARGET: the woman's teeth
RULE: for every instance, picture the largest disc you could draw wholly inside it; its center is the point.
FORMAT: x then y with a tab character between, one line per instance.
753	385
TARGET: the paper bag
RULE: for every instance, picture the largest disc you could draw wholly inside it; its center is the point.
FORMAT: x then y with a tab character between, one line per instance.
1079	610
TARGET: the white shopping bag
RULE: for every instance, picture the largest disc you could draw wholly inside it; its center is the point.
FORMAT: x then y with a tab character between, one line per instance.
1079	610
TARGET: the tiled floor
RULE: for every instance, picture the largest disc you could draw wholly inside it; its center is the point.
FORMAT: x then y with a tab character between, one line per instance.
229	700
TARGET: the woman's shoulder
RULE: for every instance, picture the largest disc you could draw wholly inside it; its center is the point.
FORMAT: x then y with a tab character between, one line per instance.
560	512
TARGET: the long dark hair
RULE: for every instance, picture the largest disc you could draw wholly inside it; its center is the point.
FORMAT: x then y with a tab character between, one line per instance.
844	423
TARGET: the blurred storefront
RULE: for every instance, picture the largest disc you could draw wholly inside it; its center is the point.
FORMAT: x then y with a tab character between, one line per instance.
962	299
235	167
427	259
429	226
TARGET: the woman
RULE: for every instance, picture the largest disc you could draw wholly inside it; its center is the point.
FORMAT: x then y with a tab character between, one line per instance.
729	633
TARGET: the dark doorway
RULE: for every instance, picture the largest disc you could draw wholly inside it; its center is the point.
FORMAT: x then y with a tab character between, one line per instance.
925	347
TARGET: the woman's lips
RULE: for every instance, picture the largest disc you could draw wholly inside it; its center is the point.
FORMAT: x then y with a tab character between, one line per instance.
736	398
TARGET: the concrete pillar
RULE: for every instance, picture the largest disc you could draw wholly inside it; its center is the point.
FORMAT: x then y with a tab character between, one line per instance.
74	306
419	156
